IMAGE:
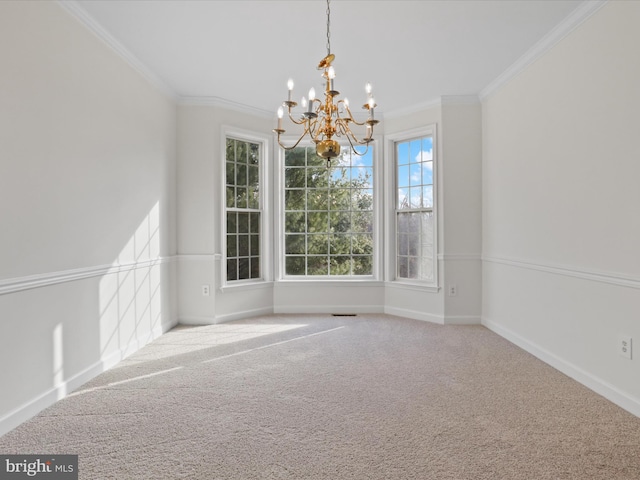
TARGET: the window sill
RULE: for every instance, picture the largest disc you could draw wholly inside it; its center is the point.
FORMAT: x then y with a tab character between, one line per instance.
256	285
329	282
419	287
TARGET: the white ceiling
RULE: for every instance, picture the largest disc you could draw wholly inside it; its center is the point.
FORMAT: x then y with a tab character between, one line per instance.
243	51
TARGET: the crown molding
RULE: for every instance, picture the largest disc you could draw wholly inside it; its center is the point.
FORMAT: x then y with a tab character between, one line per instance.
418	107
226	104
459	100
80	14
564	28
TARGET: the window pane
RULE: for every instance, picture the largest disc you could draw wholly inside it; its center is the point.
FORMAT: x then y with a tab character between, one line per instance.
341	265
254	222
317	265
427	196
317	177
243	222
295	222
295	265
294	199
318	244
295	177
255	267
340	244
243	192
254	245
295	244
231	197
362	244
243	245
403	176
414	218
231	149
317	222
254	153
231	173
427	173
232	245
362	265
338	205
362	222
341	221
241	197
241	174
253	195
232	222
317	199
243	268
232	269
254	176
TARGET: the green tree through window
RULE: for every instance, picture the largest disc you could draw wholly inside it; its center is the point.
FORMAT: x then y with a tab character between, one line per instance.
243	209
328	222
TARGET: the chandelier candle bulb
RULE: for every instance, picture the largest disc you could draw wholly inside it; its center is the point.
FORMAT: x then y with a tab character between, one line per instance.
372	104
290	88
331	75
312	96
280	114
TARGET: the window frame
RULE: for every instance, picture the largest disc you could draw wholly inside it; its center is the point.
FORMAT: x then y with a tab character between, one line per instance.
391	208
280	272
265	146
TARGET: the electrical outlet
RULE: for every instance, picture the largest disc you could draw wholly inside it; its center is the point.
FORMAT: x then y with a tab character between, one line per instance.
625	344
453	290
205	290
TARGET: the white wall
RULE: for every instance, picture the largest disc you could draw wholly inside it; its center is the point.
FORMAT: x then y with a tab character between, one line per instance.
560	194
461	208
87	208
200	170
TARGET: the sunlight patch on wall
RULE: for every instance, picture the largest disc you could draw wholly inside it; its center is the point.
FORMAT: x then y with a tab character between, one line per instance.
58	362
130	295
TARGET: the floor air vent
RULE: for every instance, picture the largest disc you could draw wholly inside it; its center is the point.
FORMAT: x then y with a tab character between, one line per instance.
344	314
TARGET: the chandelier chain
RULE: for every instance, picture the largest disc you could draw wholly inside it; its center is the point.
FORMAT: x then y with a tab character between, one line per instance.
328	29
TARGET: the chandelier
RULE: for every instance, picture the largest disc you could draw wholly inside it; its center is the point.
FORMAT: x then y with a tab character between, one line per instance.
324	120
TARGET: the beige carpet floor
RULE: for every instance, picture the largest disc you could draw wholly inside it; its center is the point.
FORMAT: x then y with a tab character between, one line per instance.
322	397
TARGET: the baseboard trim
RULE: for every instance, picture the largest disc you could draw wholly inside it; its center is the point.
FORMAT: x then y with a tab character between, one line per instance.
462	320
34	406
229	317
415	315
608	391
196	320
328	309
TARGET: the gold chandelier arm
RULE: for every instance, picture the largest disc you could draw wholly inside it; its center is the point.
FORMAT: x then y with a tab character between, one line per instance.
343	129
297	122
349	135
306	130
351	119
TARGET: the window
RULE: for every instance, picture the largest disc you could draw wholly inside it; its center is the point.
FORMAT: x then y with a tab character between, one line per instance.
243	209
328	214
414	213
